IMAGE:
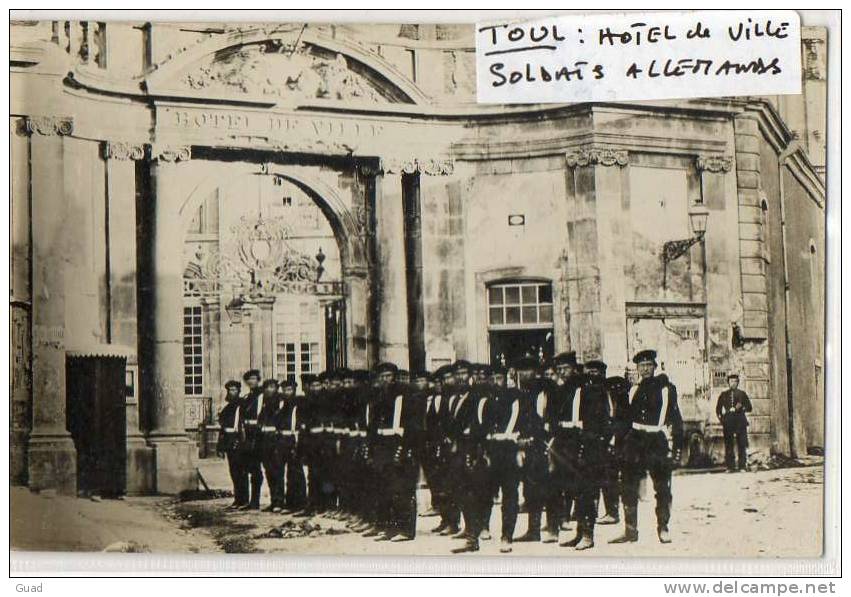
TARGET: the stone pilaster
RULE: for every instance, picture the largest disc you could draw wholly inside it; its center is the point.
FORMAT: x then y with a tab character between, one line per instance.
390	254
174	453
595	278
121	158
52	458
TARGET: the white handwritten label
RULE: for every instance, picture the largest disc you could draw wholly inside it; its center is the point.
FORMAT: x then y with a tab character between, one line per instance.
639	56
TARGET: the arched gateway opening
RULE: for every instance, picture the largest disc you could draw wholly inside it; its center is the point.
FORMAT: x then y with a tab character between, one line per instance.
263	286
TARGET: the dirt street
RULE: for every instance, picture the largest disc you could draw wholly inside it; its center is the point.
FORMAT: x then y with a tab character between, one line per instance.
772	513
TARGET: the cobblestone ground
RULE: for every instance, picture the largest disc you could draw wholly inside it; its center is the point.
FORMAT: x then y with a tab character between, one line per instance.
772	513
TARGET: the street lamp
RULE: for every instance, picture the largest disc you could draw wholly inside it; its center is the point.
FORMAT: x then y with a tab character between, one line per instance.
674	249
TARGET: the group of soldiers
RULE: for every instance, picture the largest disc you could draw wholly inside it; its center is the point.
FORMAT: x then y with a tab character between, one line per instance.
564	430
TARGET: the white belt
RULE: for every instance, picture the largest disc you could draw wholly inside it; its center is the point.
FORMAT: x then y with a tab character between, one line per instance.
398	432
317	429
250	421
650	428
570	424
286	432
230	430
269	428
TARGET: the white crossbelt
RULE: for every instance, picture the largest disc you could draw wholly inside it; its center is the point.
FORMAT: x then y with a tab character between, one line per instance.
649	428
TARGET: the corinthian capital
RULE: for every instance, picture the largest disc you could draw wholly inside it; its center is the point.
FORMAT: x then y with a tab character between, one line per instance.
49	125
122	150
171	153
597	156
714	163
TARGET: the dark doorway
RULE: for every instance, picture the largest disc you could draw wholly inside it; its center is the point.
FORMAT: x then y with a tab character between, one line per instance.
335	334
96	393
509	345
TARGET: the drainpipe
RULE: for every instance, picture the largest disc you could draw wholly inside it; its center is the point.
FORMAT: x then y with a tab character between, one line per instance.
790	150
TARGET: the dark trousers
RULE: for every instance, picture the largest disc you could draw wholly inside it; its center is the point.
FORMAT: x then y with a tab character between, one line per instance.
295	496
538	491
273	466
475	489
252	460
238	477
735	441
648	453
446	484
403	503
565	472
611	481
504	477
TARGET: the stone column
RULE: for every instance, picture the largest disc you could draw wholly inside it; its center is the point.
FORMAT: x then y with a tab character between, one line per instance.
174	453
121	160
52	458
264	328
391	287
414	270
597	297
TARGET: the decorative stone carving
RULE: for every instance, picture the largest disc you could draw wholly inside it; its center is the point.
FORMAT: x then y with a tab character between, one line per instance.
429	166
171	153
276	68
714	163
49	125
122	150
597	156
815	64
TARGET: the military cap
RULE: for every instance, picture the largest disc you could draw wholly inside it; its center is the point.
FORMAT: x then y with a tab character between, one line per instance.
526	363
288	383
565	358
644	356
462	364
443	370
420	373
732	375
498	370
345	373
596	364
232	383
309	378
251	373
484	369
403	372
385	367
270	383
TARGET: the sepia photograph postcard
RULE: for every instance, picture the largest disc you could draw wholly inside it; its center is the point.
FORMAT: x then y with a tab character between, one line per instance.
342	287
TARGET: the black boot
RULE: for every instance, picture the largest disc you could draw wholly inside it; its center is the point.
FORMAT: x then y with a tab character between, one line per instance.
630	535
471	544
534	532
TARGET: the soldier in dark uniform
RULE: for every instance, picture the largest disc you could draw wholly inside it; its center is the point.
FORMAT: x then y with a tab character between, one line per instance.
330	452
731	410
273	465
310	441
229	444
344	422
288	421
589	406
456	466
439	450
251	456
502	422
651	446
565	442
471	477
618	392
535	445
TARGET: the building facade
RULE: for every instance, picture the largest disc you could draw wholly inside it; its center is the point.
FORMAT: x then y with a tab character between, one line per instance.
191	200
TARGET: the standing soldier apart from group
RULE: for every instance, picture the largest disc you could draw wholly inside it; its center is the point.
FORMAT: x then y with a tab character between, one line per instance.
352	447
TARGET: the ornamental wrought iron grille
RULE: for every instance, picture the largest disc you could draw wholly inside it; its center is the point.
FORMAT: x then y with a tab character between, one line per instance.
258	263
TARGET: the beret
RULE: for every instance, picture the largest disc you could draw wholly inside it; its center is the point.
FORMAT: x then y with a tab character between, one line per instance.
565	358
273	383
251	373
385	367
232	383
595	364
644	356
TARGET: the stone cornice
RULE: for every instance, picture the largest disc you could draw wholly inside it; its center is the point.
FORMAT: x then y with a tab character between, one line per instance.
714	163
123	150
49	125
597	156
